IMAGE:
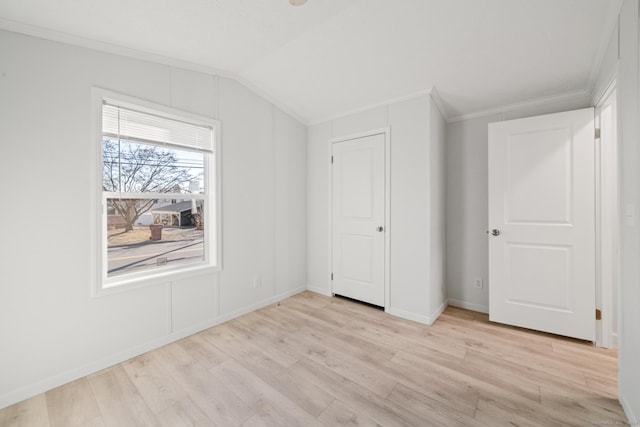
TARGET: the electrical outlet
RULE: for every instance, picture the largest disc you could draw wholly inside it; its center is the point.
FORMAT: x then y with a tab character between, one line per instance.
256	282
477	283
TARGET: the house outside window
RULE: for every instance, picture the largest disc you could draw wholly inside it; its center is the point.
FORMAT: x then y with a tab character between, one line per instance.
158	192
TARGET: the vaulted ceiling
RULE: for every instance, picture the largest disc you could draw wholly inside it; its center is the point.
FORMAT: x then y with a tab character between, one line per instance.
328	57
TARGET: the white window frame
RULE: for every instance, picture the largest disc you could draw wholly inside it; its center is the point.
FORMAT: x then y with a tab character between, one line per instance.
103	285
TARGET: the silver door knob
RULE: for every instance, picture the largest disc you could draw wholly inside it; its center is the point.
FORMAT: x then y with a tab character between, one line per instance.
495	232
380	228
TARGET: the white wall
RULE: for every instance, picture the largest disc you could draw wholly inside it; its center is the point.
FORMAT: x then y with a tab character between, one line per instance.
608	68
629	155
467	201
318	266
51	330
410	223
416	259
291	203
437	203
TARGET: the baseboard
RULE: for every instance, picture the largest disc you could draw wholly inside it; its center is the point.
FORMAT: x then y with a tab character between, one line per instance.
257	306
54	381
57	380
631	417
318	290
469	305
438	312
425	320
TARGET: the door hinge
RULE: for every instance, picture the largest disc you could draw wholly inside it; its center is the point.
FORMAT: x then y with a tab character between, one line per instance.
331	276
597	133
332	159
598	314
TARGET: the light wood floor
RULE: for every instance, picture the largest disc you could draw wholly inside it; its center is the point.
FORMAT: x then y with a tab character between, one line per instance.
314	360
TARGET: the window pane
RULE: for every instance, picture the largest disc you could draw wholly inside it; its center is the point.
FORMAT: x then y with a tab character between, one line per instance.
131	167
145	234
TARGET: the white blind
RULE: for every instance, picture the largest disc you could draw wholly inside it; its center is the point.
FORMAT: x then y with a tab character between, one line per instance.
124	123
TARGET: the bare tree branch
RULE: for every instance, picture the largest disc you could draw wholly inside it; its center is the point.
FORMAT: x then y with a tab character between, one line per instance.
130	167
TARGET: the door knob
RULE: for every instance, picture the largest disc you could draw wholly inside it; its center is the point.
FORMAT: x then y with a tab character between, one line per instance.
380	228
495	232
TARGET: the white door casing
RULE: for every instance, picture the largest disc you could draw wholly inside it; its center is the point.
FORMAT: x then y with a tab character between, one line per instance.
358	218
607	224
542	203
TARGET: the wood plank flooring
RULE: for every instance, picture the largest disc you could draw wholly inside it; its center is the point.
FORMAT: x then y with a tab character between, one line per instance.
318	361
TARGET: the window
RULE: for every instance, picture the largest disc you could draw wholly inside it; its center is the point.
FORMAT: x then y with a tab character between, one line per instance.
158	204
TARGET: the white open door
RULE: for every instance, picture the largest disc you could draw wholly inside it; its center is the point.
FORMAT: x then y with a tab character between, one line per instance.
358	214
542	223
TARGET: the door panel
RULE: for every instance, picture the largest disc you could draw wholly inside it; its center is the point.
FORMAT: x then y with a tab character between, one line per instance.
356	196
542	200
544	284
357	213
357	253
539	177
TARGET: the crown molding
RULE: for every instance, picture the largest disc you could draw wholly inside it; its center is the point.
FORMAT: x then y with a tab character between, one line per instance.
70	39
581	95
270	98
371	106
575	96
57	36
87	43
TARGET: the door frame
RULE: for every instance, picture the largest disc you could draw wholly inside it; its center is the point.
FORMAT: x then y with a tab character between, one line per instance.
607	226
386	131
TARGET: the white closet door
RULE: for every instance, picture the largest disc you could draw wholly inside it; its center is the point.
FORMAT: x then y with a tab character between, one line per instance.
358	179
